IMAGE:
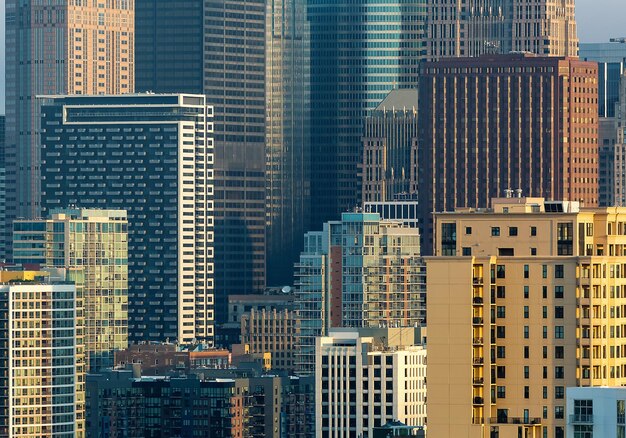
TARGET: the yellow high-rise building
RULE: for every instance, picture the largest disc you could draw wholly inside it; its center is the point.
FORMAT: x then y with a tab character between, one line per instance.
524	299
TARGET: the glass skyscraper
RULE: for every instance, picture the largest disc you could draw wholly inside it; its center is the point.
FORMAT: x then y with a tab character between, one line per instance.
611	59
359	52
287	136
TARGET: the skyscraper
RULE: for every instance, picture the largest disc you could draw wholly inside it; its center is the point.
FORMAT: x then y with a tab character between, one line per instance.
611	59
66	47
358	272
469	28
222	56
287	136
389	164
501	122
151	155
43	378
93	246
359	52
533	307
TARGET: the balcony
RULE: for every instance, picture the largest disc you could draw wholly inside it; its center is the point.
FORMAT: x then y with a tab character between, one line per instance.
478	361
478	400
478	300
478	380
515	420
581	419
477	320
478	280
477	341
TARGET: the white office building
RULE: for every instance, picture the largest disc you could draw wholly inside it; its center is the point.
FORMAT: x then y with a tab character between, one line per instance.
596	412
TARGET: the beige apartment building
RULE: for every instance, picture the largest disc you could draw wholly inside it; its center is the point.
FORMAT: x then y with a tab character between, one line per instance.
525	299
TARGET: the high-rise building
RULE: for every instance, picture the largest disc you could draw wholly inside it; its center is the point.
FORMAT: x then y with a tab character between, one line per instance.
596	411
469	28
610	177
359	53
3	193
389	163
43	370
501	122
403	208
611	59
533	307
365	378
221	55
151	155
93	246
287	136
63	48
358	272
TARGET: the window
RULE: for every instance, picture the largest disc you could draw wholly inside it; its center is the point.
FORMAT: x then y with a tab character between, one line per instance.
583	410
533	231
526	391
533	251
545	392
559	332
500	292
500	332
558	271
558	291
468	230
448	239
558	412
512	231
545	292
559	392
526	372
467	251
501	311
589	229
526	352
526	292
545	352
495	231
565	238
586	431
526	312
559	372
526	271
501	372
544	271
526	332
545	312
501	352
545	332
559	352
558	312
621	412
500	271
501	391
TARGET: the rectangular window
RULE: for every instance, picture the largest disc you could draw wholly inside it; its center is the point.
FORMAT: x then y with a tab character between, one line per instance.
558	291
545	392
559	392
526	352
495	231
583	410
526	292
544	271
558	412
559	372
544	289
512	231
468	230
501	391
526	391
559	352
558	312
545	332
559	332
500	292
501	352
500	271
533	231
526	372
526	332
448	239
501	372
533	251
526	312
565	239
526	271
467	251
501	311
558	271
500	332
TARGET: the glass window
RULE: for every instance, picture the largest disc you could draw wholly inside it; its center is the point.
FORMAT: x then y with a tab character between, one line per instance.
512	231
495	231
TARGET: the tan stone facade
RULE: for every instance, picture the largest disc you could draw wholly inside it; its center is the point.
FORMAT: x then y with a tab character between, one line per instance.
524	300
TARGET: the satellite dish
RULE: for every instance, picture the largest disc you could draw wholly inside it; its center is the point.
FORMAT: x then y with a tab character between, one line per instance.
286	289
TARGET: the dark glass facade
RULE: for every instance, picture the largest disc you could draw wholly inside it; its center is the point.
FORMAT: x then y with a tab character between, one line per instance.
359	52
152	156
169	46
287	134
611	59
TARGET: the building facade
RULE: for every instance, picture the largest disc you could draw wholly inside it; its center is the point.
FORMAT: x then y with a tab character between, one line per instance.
389	164
533	307
358	272
359	53
611	59
596	412
469	28
287	136
501	122
65	48
93	246
43	381
404	208
151	155
363	379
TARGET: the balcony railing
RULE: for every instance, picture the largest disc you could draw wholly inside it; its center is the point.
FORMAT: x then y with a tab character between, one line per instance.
515	420
581	419
477	320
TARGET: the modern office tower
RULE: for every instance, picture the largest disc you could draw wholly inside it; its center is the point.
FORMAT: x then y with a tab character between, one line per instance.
609	187
3	193
501	122
596	411
93	246
358	272
611	59
356	60
63	48
218	49
469	28
287	136
389	162
169	46
43	378
365	378
151	155
533	307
